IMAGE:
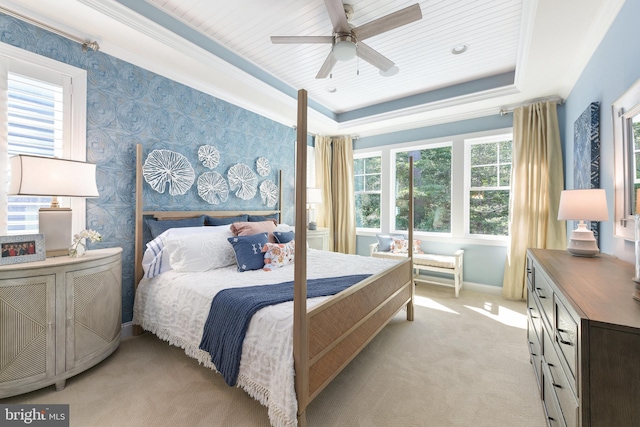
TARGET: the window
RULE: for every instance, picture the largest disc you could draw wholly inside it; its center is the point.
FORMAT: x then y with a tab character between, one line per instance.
367	172
488	179
42	116
626	133
431	189
461	187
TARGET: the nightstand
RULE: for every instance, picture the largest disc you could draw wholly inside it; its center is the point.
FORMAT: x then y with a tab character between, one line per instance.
59	317
318	239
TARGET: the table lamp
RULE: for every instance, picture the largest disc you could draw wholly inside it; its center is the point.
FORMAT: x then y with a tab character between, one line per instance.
314	197
50	176
583	205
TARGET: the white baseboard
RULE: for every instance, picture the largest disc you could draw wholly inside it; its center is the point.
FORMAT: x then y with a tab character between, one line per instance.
127	330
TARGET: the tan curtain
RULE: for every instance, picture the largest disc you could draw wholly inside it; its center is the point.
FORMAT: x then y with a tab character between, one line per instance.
536	182
324	217
344	216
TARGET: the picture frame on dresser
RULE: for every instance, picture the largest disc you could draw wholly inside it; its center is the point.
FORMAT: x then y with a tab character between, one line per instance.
22	248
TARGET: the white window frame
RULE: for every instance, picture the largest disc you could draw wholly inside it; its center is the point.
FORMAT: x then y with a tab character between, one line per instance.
387	196
74	81
467	182
365	155
623	110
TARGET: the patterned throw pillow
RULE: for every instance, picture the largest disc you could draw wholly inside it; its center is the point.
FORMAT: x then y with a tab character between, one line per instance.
284	236
248	251
278	255
401	246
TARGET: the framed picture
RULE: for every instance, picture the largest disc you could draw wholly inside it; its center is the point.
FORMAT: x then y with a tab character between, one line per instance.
22	248
586	156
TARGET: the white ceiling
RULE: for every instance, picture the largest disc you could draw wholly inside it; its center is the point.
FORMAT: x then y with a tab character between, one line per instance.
223	48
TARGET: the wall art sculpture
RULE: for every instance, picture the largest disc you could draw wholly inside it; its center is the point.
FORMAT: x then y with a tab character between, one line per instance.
166	167
243	180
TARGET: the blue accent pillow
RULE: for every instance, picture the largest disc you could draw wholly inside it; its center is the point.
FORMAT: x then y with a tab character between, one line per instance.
158	227
284	236
258	218
248	251
385	240
210	220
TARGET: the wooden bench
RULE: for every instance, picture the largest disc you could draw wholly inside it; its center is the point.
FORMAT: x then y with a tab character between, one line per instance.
447	264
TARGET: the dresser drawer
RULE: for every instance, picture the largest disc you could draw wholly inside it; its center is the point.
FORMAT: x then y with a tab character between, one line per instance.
561	385
543	292
566	336
530	273
534	314
550	401
535	350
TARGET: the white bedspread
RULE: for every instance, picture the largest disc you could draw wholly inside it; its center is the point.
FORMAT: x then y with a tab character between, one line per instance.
174	306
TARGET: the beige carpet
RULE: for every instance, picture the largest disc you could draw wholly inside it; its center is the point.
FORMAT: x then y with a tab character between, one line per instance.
462	362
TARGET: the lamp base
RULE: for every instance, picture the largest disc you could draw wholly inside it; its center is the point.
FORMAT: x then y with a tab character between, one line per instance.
582	242
55	224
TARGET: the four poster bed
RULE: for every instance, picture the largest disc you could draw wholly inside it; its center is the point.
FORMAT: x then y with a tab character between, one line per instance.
292	349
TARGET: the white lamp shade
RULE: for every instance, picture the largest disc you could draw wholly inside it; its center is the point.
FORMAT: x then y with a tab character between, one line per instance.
48	176
314	196
583	205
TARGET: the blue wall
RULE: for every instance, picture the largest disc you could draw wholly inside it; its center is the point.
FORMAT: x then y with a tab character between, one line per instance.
127	105
613	68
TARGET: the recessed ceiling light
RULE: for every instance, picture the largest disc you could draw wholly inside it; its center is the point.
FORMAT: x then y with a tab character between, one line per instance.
390	72
458	49
332	90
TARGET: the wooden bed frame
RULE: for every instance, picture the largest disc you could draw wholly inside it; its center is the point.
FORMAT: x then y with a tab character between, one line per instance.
327	337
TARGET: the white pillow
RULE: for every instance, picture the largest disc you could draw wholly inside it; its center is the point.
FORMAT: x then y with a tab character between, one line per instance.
156	258
200	251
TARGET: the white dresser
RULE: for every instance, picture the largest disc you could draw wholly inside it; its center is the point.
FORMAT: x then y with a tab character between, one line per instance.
59	317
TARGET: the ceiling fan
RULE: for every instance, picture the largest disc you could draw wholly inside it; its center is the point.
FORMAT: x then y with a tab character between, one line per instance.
347	40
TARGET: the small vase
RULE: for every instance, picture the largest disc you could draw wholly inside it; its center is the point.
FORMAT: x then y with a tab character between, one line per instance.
77	249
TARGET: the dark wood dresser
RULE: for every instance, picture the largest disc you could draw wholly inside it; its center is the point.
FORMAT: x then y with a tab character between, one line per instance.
584	338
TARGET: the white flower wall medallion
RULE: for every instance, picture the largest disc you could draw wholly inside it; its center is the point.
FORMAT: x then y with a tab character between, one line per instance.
262	166
213	188
164	167
243	181
269	193
209	156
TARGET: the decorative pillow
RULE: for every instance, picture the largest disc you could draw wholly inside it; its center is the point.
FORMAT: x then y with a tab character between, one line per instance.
200	251
156	258
248	250
251	228
401	246
285	227
278	255
211	220
283	236
259	218
385	241
158	227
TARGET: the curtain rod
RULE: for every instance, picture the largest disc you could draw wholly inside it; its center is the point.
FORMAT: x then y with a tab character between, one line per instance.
510	108
86	45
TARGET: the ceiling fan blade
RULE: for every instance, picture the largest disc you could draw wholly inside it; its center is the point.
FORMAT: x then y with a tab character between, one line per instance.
337	15
301	39
327	66
389	22
373	57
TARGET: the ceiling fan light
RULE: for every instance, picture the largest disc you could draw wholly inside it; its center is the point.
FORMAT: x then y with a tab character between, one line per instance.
344	50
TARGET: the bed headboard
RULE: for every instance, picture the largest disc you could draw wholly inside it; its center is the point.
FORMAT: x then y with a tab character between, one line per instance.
141	214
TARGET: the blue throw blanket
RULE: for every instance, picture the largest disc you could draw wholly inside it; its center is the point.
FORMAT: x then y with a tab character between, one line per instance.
231	311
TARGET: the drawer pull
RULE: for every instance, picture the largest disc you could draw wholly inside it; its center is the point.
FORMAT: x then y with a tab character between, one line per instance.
560	339
556	385
539	294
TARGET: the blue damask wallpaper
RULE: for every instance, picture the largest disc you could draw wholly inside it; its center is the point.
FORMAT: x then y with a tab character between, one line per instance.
128	105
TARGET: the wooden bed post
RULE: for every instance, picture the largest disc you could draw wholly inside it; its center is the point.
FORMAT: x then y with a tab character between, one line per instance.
410	227
137	276
300	327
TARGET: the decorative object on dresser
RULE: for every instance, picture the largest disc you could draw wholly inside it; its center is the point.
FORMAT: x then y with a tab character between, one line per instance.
314	197
583	205
60	316
584	338
49	176
22	248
